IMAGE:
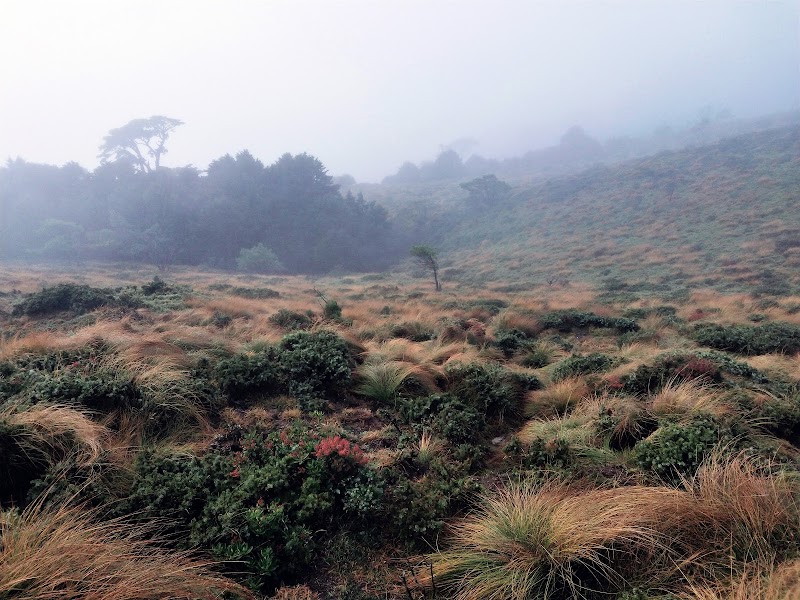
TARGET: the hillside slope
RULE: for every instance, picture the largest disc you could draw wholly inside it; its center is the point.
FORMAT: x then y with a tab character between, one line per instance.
725	216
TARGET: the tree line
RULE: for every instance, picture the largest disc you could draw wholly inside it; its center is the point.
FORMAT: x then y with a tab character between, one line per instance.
288	216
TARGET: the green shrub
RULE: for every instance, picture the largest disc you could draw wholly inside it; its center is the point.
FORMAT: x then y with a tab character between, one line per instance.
288	319
259	293
258	259
98	391
750	340
577	365
63	297
567	320
266	506
332	310
491	389
246	374
415	510
677	449
315	365
509	341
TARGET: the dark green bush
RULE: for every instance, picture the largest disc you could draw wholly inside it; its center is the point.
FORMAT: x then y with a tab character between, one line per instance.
315	365
577	365
491	389
750	340
289	319
332	310
98	391
415	509
677	449
265	506
246	374
259	293
509	341
567	320
63	297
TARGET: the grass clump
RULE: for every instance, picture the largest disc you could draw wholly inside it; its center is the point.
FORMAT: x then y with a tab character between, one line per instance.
554	543
64	552
384	381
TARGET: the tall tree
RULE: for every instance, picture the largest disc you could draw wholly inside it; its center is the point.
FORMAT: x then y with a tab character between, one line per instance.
140	142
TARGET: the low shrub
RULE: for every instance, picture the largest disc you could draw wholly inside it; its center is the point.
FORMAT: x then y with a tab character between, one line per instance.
568	320
577	365
258	293
676	450
510	341
265	506
246	374
315	365
63	297
750	340
289	319
491	389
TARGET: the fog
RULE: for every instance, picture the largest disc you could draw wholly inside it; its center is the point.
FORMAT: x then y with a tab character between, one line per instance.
365	86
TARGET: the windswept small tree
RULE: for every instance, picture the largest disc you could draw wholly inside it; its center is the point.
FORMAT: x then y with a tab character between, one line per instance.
139	142
426	257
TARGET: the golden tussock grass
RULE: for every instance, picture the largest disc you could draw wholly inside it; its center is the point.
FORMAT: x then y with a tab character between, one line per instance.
556	398
555	541
54	431
777	364
509	320
758	582
63	552
688	398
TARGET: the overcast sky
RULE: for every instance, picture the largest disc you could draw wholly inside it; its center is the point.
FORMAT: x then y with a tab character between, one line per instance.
366	85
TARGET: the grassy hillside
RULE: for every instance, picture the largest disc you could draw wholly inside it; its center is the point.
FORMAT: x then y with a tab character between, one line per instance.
725	216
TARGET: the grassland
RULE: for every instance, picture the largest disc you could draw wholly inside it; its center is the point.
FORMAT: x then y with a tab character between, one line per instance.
602	402
212	430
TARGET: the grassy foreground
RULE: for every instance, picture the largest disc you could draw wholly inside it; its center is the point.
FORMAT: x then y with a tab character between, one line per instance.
214	435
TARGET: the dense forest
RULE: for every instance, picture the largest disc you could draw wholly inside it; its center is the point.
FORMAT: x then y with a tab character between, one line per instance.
288	216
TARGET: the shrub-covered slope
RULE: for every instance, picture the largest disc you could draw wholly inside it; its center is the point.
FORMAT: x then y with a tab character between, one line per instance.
725	216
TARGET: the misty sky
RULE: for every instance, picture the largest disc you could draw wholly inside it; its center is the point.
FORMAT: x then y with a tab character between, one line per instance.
365	85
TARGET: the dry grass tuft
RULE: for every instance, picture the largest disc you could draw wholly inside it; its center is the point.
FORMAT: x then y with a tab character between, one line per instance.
556	398
64	553
688	398
556	542
54	431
